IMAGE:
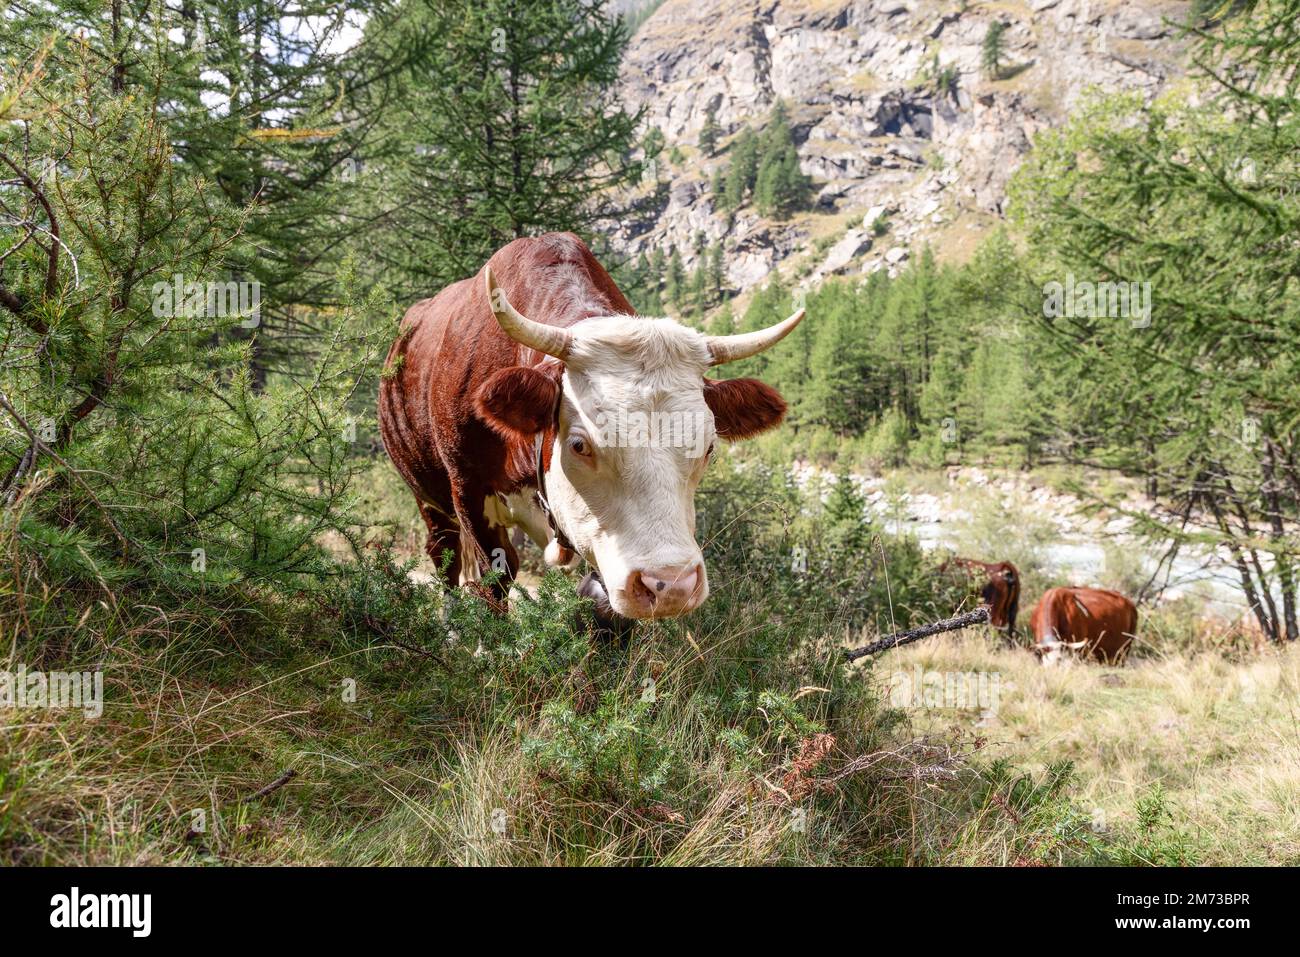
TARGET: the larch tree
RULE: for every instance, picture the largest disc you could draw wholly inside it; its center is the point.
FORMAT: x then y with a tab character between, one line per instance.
1181	339
505	125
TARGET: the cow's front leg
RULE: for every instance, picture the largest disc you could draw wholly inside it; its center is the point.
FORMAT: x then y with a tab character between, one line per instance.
501	557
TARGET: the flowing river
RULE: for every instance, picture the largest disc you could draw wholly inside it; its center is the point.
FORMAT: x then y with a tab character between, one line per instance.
1068	543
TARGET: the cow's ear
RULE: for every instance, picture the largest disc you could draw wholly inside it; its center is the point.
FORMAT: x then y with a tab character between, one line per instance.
743	407
518	399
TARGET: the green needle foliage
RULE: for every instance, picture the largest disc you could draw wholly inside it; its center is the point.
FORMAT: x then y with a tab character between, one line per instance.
993	49
136	448
1195	196
765	169
929	364
501	125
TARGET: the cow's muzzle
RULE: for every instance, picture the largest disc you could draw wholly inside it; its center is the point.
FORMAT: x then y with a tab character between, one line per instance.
664	592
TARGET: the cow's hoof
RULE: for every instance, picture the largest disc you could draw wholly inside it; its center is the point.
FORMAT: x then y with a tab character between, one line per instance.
606	625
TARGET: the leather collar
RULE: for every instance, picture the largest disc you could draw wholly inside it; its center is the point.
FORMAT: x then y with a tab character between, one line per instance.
538	449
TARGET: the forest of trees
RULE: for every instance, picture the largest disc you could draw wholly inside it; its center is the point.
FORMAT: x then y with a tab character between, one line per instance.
928	365
1197	197
330	168
1148	323
764	169
212	215
761	170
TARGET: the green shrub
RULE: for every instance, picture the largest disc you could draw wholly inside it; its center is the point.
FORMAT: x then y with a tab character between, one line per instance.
1154	840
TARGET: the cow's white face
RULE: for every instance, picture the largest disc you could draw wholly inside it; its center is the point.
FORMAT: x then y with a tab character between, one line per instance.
1050	654
635	435
1053	652
637	419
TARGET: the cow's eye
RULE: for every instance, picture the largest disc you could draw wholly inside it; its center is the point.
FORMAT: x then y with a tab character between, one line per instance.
579	446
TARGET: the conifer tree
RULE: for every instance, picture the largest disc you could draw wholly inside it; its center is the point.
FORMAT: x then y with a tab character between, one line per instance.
848	531
1192	378
780	187
699	299
503	125
992	49
675	281
743	171
709	132
834	396
126	374
717	273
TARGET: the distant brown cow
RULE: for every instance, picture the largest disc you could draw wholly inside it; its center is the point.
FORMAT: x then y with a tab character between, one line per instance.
1000	590
1097	622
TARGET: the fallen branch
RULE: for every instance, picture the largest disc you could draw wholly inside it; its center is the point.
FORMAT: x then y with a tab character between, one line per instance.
275	785
384	630
422	652
977	617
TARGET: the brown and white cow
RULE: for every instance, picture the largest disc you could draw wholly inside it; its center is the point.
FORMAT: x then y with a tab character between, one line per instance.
999	589
1095	622
541	358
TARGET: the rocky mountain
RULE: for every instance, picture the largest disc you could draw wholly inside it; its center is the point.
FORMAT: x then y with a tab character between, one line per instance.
895	116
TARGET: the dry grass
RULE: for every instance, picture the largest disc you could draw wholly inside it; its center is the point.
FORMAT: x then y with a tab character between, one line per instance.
774	755
1219	737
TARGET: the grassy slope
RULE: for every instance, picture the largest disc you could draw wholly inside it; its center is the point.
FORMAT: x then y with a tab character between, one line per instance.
1217	738
208	704
202	718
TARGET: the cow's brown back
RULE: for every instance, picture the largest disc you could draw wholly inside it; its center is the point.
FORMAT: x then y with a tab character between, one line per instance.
1105	619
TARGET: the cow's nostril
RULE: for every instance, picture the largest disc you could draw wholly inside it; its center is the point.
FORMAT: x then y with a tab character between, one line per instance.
642	587
673	584
651	585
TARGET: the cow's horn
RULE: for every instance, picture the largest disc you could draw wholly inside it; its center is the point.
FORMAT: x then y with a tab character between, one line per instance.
551	340
745	344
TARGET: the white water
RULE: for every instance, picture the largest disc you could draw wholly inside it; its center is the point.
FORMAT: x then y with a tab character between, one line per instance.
1076	551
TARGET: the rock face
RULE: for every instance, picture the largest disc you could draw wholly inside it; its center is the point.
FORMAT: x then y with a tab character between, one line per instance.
874	130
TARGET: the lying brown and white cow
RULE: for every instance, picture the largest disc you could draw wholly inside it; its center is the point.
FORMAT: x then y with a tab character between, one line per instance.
1096	622
999	589
553	367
